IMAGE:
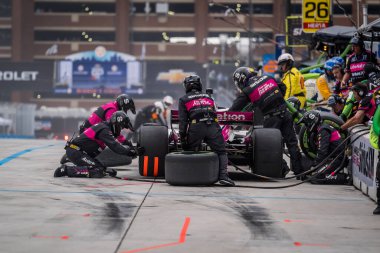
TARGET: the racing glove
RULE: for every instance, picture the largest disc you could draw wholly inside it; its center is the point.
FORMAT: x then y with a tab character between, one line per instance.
134	152
184	142
127	143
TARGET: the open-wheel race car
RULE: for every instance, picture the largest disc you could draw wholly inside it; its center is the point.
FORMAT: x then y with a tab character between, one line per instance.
259	148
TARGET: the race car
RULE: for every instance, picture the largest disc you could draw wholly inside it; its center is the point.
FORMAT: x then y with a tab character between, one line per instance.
259	148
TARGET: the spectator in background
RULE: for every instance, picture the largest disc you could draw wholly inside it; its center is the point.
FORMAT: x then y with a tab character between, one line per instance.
292	78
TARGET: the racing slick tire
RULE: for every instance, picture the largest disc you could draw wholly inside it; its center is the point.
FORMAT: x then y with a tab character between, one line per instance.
308	142
111	159
191	168
267	152
154	139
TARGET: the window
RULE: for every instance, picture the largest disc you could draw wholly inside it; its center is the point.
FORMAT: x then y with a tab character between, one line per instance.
159	36
241	8
374	9
6	8
150	7
5	37
73	36
42	7
257	36
347	8
296	9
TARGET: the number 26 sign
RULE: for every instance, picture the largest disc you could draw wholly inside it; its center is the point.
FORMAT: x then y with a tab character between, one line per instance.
315	15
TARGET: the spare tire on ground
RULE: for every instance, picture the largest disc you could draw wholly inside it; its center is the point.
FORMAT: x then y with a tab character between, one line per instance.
191	168
267	152
154	139
111	159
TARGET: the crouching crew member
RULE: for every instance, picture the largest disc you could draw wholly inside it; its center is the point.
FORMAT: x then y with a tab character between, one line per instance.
264	92
329	143
83	149
198	122
104	112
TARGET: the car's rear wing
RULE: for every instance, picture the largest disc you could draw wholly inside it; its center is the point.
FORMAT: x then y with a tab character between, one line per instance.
224	118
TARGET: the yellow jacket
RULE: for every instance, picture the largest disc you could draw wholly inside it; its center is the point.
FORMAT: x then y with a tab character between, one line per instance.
295	86
324	87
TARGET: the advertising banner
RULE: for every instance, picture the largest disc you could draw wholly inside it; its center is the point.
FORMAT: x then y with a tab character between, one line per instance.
364	160
35	76
99	72
167	77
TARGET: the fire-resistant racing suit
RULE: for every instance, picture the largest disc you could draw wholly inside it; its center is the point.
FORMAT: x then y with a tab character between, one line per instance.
83	149
329	143
197	123
355	65
265	93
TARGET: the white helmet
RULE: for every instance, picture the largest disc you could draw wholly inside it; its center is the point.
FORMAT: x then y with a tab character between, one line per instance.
168	101
284	58
159	105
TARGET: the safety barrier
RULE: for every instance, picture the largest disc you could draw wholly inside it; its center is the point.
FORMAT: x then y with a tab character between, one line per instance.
363	163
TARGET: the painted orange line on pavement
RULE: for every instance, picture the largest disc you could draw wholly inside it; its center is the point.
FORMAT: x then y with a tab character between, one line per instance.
298	244
288	221
63	237
145	172
155	168
182	239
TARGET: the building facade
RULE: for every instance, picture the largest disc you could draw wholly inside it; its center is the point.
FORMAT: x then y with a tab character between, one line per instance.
235	32
195	30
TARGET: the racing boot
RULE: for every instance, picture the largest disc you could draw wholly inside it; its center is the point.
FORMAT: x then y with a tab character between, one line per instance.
61	171
223	174
111	172
84	171
296	164
377	210
64	159
285	168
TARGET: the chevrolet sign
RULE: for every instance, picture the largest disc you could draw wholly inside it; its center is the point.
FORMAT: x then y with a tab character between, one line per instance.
18	75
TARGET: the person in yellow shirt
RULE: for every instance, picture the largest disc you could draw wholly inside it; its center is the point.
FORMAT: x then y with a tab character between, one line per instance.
292	78
325	83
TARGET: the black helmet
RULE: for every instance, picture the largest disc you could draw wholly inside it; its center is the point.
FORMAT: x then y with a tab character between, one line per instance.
125	103
361	89
295	102
242	75
369	68
311	119
118	121
192	82
335	99
356	40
